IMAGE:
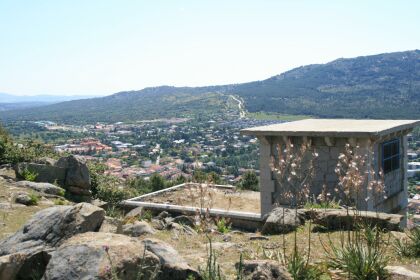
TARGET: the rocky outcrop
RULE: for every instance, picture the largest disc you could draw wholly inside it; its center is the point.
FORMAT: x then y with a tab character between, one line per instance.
24	198
77	172
263	270
64	243
135	213
111	225
338	219
173	266
45	188
99	255
71	172
47	229
184	220
137	229
51	226
282	220
401	273
46	171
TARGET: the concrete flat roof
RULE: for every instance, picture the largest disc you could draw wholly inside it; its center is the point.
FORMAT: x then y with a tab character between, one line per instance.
333	128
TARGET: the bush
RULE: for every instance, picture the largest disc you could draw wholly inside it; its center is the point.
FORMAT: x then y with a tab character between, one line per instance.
13	153
62	193
96	170
139	184
299	268
110	190
362	257
157	182
322	205
223	225
34	199
29	175
409	248
60	201
249	181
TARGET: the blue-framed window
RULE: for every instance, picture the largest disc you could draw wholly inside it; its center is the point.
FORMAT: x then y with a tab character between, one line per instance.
390	155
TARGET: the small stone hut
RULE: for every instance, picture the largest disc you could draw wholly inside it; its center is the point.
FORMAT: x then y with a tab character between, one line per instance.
384	141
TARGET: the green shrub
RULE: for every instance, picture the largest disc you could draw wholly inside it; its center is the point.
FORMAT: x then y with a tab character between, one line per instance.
29	175
410	247
60	201
96	170
362	257
110	190
249	181
157	182
114	212
62	193
223	225
139	184
322	205
299	268
34	199
11	152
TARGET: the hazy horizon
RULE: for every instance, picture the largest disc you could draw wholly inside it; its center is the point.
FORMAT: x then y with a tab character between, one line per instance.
103	47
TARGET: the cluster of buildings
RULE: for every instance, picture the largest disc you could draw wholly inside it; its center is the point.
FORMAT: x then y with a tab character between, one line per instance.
86	146
170	147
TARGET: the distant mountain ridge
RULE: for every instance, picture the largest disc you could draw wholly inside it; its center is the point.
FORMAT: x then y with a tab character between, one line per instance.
10	98
378	86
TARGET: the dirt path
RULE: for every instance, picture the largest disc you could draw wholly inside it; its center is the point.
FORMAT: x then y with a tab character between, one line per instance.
241	107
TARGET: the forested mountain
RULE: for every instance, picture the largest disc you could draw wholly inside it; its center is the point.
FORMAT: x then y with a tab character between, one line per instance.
378	86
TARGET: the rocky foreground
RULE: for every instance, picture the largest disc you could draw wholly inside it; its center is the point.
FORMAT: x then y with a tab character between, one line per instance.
78	241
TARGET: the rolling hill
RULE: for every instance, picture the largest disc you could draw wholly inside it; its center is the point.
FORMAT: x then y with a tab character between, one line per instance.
378	86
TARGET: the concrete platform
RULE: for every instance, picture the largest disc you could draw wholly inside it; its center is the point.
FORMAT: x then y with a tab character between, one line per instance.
333	128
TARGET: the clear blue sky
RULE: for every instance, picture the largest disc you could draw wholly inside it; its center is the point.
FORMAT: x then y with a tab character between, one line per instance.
104	46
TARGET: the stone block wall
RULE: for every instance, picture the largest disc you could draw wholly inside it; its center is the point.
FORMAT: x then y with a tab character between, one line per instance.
328	150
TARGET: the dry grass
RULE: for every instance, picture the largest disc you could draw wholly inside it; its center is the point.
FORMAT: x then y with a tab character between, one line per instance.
12	216
193	248
210	197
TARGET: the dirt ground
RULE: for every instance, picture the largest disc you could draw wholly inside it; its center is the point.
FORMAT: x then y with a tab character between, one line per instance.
210	197
12	215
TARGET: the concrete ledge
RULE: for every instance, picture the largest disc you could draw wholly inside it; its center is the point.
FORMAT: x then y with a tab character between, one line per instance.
245	220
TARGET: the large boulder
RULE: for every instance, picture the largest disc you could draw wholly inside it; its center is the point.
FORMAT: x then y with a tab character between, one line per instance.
45	170
71	172
137	229
46	188
99	255
77	172
24	198
338	219
173	266
263	270
282	220
47	229
51	226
